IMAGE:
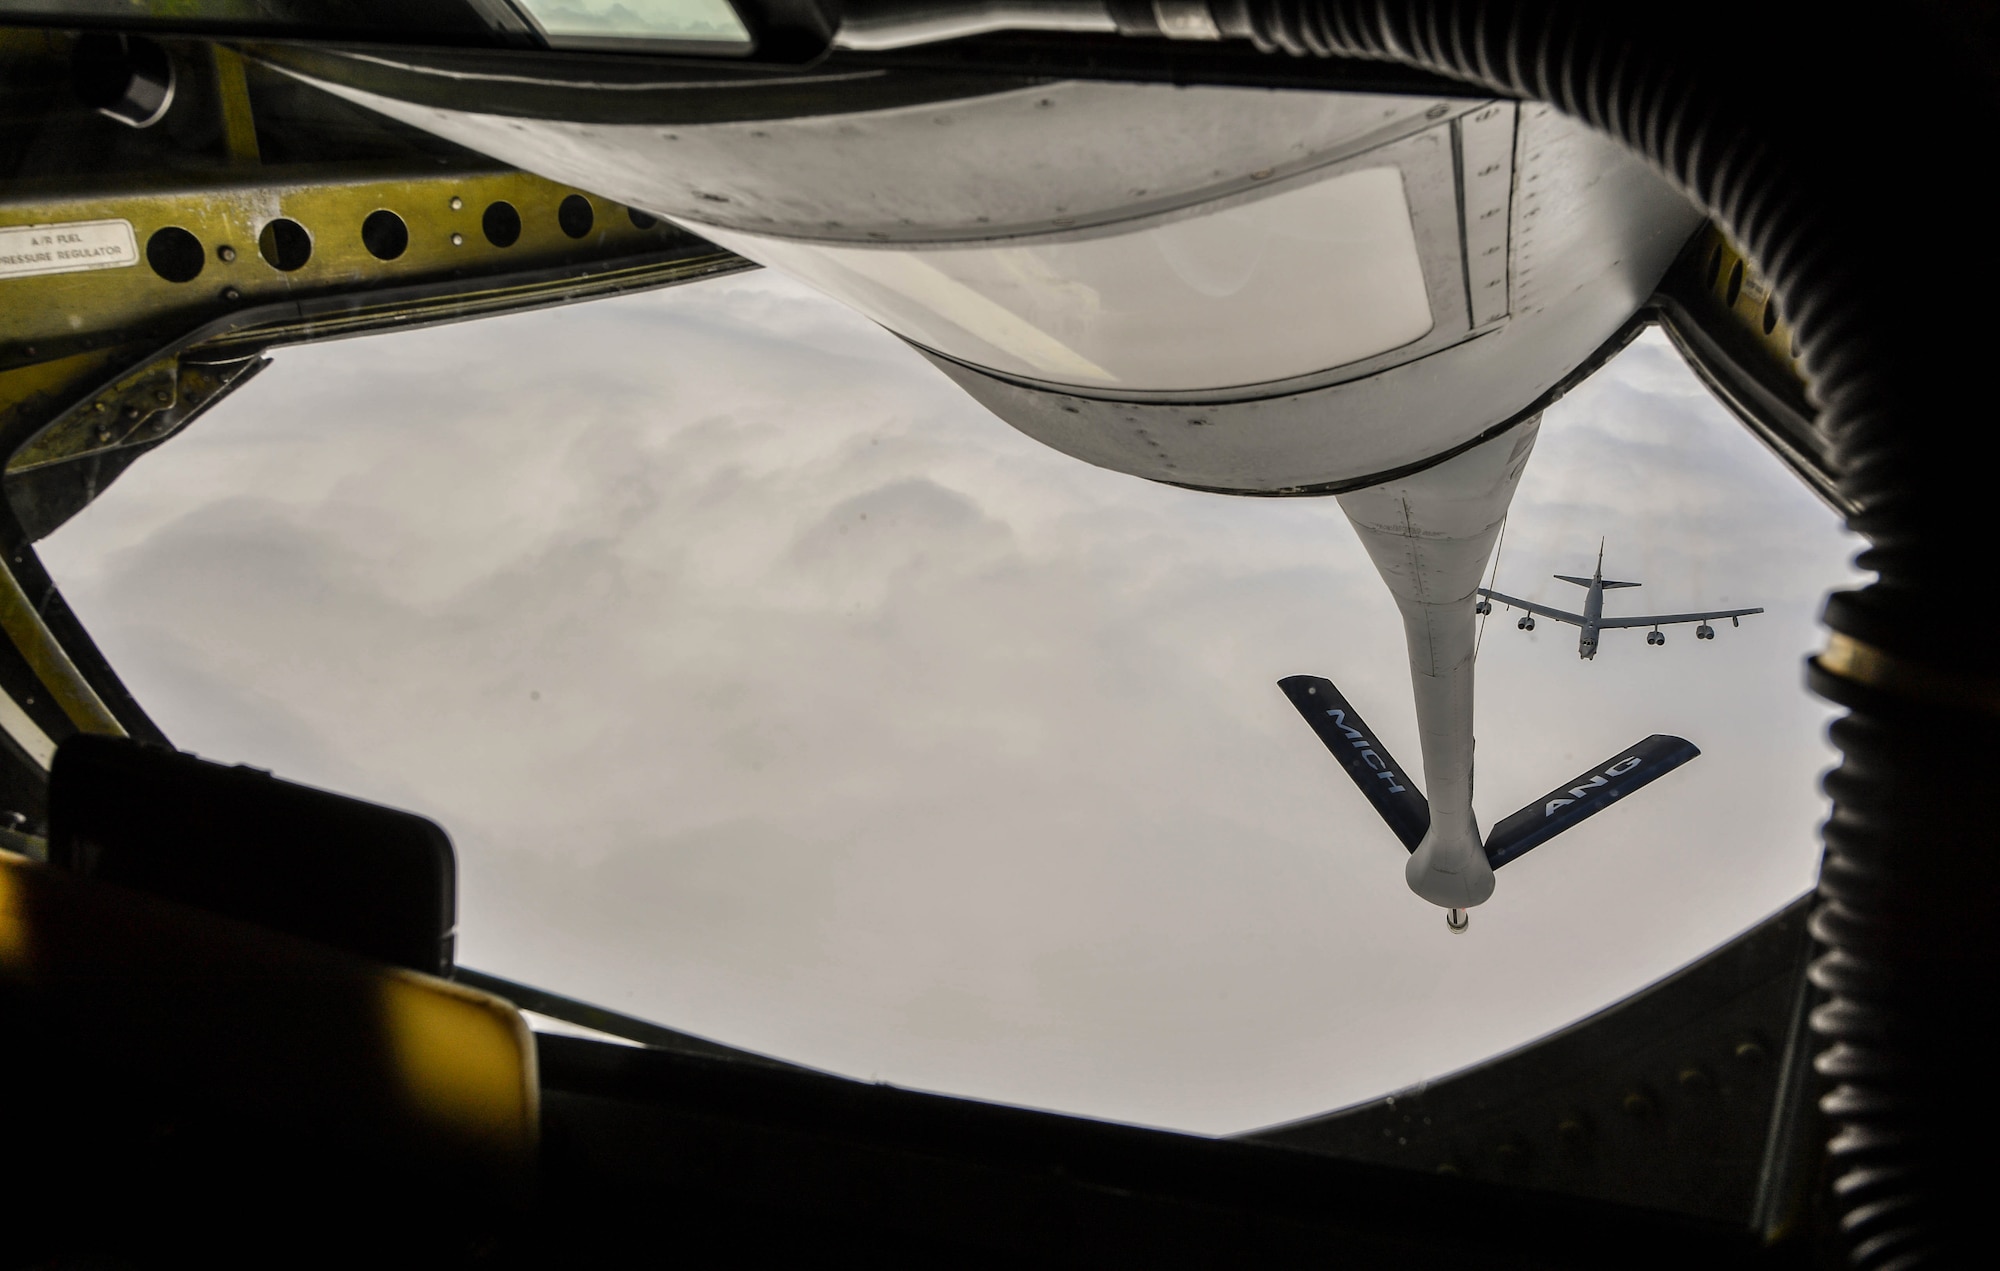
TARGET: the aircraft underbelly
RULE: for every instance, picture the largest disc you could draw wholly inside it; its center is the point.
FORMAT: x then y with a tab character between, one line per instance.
1113	268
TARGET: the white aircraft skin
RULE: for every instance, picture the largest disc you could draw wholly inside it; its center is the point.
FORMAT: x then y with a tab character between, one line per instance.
1592	619
856	204
1430	535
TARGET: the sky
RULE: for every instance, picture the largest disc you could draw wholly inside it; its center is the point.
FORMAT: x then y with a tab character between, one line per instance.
771	689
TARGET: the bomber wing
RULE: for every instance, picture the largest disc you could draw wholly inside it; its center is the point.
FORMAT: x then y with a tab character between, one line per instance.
1664	619
1573	619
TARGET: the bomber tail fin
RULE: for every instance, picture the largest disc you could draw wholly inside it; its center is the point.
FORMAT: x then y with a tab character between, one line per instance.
1586	796
1384	782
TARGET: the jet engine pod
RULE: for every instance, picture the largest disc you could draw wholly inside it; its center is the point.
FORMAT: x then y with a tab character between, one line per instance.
1704	632
1656	637
1527	622
1228	289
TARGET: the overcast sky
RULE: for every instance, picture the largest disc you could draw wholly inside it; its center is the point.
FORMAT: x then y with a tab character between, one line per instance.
772	689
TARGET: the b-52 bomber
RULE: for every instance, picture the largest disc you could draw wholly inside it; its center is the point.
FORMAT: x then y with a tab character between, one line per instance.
1592	619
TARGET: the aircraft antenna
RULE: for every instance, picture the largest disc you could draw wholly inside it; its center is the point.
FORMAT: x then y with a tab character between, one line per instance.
1492	577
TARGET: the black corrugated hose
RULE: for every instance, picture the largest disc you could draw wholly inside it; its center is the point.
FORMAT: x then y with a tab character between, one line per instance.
1845	149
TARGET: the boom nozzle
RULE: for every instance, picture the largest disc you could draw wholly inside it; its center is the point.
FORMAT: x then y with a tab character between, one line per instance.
1457	920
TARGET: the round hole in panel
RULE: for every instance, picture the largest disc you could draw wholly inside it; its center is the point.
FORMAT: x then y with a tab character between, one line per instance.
501	223
285	245
175	254
576	216
385	234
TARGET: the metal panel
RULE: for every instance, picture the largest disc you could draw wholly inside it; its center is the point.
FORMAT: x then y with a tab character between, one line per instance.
1665	1099
1486	158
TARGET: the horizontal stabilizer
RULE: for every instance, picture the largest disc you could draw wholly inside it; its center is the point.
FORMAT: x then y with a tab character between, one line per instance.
1386	785
1607	584
1586	796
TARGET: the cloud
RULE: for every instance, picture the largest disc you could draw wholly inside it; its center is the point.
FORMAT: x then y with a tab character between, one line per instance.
772	689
